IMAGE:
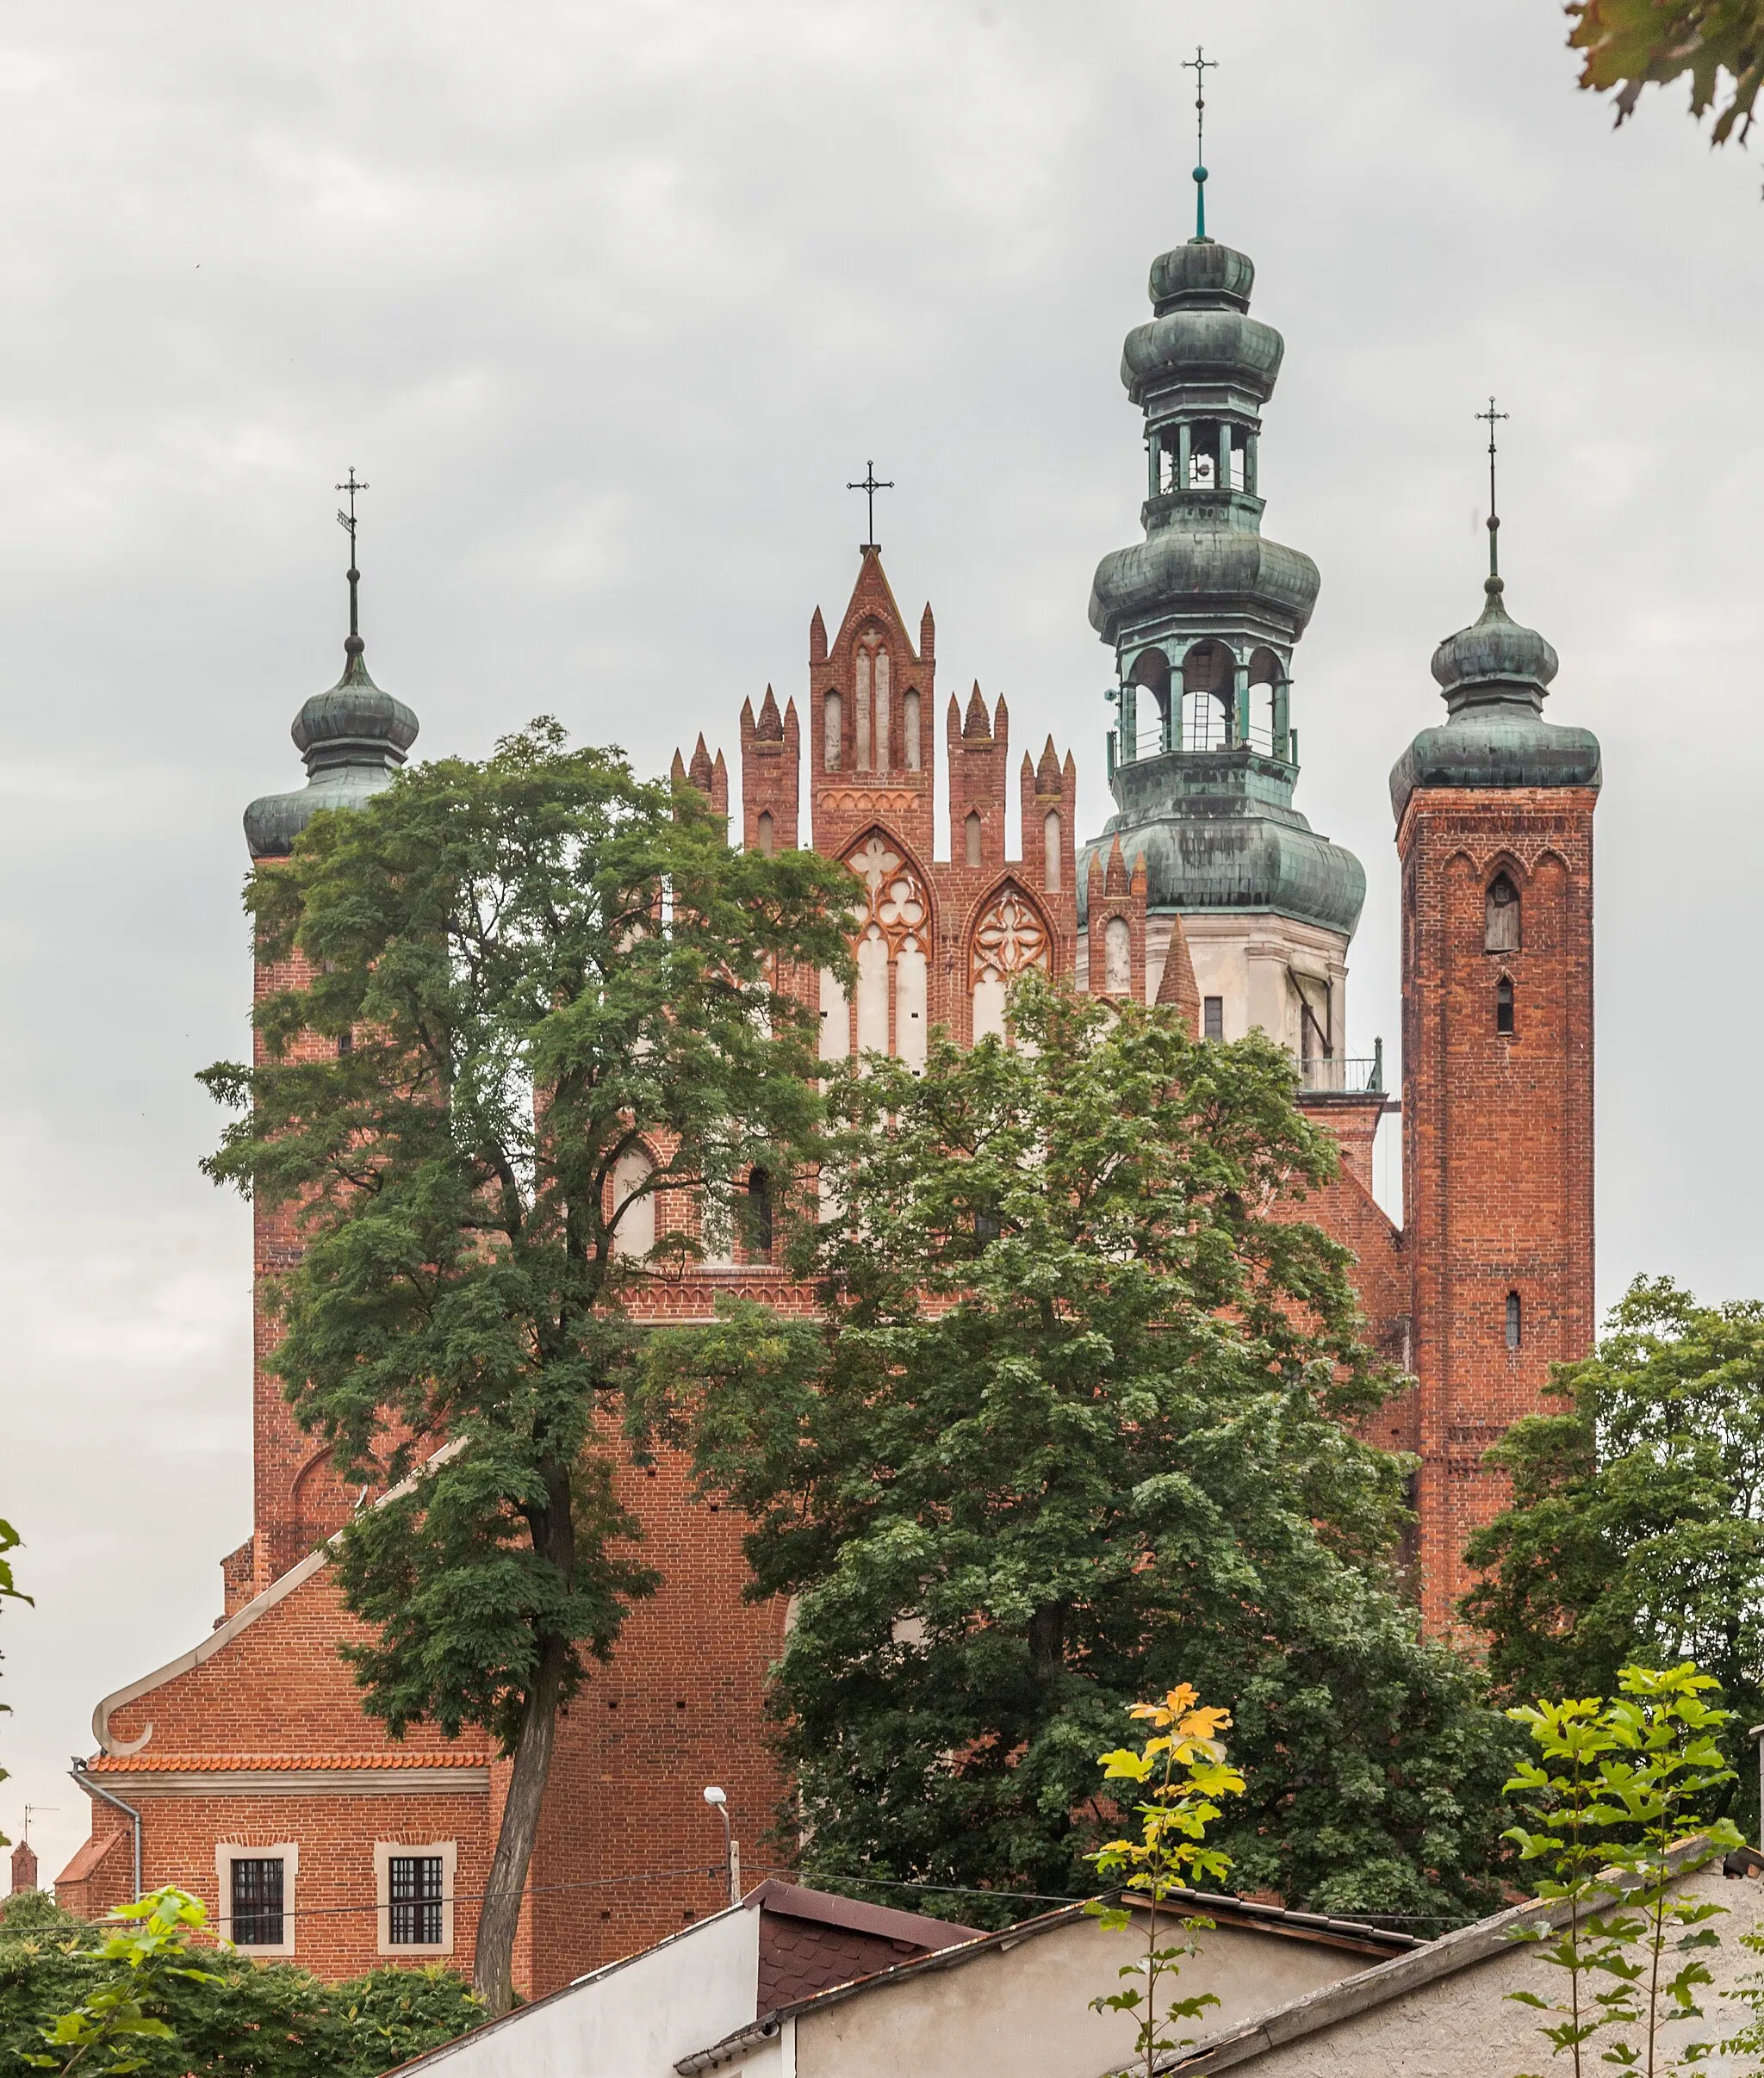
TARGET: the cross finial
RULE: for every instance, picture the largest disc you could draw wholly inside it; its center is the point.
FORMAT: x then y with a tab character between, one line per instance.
346	521
869	484
1200	65
1492	418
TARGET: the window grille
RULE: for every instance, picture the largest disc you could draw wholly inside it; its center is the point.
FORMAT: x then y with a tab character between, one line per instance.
1513	1320
256	1902
413	1895
1212	1018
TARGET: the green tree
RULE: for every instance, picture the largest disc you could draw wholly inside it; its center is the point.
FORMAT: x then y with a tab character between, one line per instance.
555	983
145	1951
1626	44
1617	1792
1636	1530
1180	1773
233	2018
9	1591
1075	1425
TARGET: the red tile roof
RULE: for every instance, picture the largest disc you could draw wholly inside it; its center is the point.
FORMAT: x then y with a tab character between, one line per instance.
215	1763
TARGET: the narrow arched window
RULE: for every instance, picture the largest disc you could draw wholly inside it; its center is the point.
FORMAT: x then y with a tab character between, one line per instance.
1051	850
909	729
972	828
1500	919
763	831
884	738
862	745
1503	1005
1513	1320
1117	957
832	715
756	1222
345	1041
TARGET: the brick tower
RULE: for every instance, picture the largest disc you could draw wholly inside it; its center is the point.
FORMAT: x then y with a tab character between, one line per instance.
351	739
1495	833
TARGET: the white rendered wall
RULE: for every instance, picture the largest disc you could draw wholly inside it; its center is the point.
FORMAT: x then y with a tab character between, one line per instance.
1250	963
632	2019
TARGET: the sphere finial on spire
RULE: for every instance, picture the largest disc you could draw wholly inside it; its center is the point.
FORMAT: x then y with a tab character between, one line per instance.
353	644
1200	65
1494	584
352	737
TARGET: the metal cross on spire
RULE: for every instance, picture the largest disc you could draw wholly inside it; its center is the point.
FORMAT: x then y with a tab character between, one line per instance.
869	484
1493	418
346	521
1200	65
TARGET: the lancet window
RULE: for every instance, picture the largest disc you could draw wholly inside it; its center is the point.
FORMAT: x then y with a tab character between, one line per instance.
891	948
1500	918
1012	935
874	735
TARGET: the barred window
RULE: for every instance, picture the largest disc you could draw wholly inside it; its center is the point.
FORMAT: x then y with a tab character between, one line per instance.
256	1902
414	1894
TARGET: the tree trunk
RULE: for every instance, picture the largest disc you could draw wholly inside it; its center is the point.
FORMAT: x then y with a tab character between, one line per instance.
492	1971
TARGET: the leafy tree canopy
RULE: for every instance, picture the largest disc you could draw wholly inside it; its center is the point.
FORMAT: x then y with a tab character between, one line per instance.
1636	1528
1074	1428
540	999
9	1591
1627	44
239	2019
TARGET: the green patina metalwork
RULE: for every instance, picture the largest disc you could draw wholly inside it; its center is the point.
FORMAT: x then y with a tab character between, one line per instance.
1206	607
1494	676
354	738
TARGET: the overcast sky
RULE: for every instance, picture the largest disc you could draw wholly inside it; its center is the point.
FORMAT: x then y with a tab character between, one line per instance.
607	302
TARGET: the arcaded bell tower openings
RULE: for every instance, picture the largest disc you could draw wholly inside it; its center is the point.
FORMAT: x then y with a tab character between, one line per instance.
1204	616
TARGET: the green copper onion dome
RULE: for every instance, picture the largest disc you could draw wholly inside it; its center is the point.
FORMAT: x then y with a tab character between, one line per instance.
1494	676
1493	652
354	738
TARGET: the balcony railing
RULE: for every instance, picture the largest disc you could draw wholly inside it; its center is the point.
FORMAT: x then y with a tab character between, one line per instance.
1337	1075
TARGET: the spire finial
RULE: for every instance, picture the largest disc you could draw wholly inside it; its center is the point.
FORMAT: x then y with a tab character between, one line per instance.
869	484
1493	418
354	646
1200	65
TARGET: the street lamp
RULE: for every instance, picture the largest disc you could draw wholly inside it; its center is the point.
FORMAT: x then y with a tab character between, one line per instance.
718	1800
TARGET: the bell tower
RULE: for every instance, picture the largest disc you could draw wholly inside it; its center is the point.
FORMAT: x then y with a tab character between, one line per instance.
1204	616
352	739
1495	835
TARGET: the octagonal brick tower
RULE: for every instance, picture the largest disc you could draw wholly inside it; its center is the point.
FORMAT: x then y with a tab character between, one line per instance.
1204	616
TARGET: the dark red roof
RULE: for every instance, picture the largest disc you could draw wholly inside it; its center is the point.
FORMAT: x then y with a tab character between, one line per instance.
811	1940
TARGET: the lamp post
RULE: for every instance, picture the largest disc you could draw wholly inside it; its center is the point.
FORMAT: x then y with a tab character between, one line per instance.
718	1801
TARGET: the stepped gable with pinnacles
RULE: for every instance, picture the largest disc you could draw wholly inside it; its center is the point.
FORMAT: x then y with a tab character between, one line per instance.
249	1760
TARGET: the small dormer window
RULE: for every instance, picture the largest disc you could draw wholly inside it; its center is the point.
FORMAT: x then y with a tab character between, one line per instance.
1500	922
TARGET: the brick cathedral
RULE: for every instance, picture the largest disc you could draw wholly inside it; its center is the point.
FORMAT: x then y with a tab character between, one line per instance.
245	1768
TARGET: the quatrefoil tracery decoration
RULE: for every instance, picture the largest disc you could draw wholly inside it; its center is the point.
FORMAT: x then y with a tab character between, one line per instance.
1011	936
894	906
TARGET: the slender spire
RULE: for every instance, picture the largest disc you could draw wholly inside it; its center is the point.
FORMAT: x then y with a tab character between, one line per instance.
354	645
1200	65
1493	417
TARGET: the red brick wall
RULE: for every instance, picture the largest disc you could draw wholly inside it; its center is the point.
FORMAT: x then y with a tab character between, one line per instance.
1498	1136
